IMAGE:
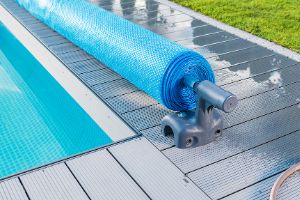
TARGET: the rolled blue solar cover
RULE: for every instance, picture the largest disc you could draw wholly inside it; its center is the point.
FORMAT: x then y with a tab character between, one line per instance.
149	61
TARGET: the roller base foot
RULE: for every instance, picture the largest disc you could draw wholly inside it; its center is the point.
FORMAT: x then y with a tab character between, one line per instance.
189	134
198	127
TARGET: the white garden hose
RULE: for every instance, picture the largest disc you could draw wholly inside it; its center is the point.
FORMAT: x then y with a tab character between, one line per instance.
278	183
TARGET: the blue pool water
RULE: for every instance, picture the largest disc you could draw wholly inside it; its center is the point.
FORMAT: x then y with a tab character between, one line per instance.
39	121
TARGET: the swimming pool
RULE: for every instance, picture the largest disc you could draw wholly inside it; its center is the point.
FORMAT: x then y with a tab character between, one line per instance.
39	121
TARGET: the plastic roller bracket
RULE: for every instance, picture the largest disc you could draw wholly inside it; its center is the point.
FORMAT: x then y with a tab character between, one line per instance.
193	128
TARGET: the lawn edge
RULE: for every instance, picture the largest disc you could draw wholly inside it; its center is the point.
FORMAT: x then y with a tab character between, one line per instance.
236	31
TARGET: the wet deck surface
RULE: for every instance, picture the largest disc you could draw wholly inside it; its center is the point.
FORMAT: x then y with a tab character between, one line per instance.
260	140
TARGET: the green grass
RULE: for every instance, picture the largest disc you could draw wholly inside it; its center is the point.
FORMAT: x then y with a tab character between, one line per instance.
274	20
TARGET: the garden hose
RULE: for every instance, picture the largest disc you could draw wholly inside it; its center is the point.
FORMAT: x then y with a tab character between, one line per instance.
278	183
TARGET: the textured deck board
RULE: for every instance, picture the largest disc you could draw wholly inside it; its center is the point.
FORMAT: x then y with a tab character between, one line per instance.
86	66
204	40
242	56
12	190
99	76
155	173
252	69
64	48
55	182
190	33
146	117
71	57
103	178
156	137
132	101
249	167
265	122
237	139
254	106
163	11
259	191
258	105
265	82
114	88
213	50
161	29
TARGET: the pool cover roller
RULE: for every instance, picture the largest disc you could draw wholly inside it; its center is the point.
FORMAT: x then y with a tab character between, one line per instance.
149	61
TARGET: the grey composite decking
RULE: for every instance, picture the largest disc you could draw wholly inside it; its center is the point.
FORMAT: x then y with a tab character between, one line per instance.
260	140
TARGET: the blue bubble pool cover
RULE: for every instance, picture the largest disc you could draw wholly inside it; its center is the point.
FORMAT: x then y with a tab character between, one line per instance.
149	61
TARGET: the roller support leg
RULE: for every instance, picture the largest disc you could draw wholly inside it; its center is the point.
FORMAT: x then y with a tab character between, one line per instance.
198	127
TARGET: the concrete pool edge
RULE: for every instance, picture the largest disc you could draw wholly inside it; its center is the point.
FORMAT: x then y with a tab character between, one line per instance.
238	32
105	117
